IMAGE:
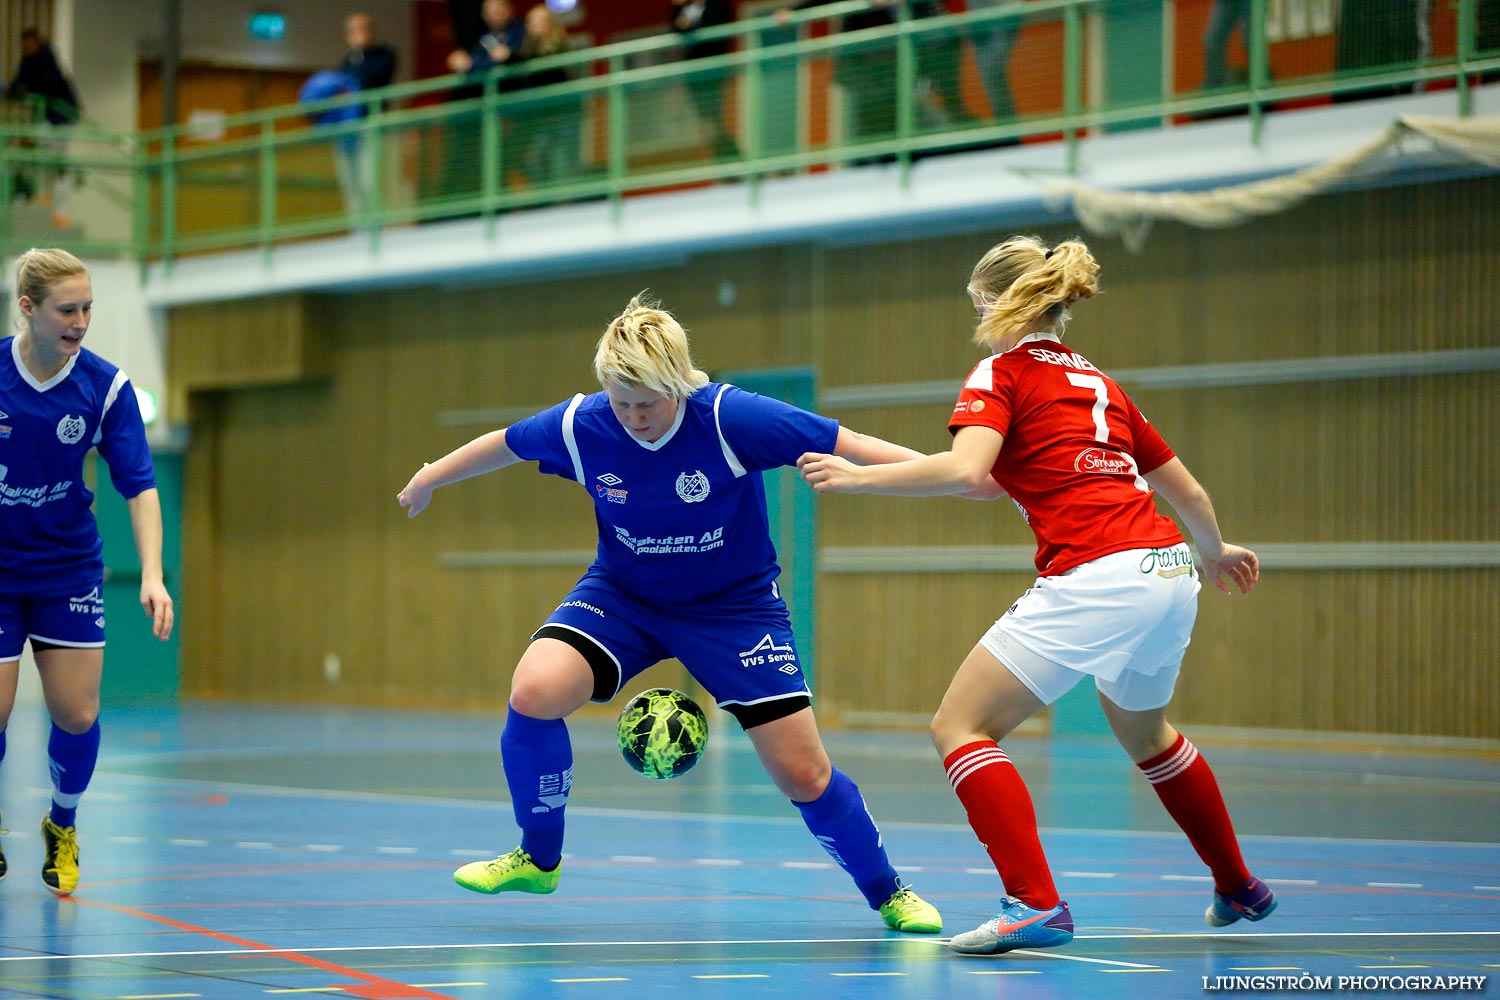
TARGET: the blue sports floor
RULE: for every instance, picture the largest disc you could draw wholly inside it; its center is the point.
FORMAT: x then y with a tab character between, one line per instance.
241	851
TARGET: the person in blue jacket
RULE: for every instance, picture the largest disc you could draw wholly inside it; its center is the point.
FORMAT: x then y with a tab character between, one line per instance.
685	568
59	401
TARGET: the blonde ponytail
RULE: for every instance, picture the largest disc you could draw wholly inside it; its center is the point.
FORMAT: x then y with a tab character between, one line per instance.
1023	283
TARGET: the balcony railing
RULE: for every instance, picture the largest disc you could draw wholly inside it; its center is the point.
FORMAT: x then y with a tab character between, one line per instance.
632	118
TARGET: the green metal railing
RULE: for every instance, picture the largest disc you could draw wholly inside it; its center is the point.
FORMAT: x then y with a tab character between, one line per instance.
793	95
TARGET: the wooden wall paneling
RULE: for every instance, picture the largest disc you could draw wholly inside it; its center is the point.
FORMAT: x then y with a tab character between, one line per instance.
248	342
1373	651
201	605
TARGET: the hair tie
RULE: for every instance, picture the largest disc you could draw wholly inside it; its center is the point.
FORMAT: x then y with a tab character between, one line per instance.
1048	254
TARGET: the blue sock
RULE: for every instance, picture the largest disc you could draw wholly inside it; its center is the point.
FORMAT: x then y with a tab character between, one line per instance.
841	822
2	744
538	758
70	759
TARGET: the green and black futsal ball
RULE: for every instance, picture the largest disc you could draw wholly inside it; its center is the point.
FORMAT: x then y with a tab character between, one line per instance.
662	733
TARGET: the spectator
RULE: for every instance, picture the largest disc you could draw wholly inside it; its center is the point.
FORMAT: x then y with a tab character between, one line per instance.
993	44
370	62
707	90
501	42
1376	35
938	58
466	23
371	65
39	78
549	147
867	73
1226	16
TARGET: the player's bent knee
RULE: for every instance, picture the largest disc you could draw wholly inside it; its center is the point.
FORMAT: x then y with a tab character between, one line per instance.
801	781
76	720
543	697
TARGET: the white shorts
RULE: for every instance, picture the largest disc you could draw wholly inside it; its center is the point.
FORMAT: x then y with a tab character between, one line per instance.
1125	619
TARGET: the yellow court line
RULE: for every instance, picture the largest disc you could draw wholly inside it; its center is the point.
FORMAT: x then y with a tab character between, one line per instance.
1393	966
1135	970
855	974
1265	968
737	975
1005	972
601	979
435	986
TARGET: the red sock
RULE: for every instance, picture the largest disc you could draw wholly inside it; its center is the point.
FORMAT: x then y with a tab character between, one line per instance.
1185	784
1004	820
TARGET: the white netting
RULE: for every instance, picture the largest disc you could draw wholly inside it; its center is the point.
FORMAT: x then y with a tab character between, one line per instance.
1129	214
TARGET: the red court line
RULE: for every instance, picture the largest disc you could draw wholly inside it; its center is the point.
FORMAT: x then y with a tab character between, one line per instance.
371	987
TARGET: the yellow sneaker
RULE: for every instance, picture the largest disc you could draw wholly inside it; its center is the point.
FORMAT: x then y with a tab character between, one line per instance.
60	865
906	911
513	872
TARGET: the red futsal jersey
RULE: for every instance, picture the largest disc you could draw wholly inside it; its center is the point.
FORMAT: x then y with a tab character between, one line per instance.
1075	448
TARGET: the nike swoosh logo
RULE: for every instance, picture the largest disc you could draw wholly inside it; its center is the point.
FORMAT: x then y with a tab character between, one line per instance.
1007	928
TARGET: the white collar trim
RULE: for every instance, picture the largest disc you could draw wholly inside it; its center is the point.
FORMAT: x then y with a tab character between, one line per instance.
30	379
661	442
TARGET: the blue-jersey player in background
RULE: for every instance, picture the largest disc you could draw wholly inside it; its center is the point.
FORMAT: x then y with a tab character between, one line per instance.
57	402
685	568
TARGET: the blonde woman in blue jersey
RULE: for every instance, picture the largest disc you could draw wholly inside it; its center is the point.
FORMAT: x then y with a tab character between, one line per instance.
685	568
58	401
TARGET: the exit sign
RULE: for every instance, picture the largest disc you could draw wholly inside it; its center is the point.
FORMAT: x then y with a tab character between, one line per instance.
267	25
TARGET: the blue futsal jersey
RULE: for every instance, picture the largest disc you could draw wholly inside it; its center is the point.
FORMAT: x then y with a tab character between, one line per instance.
682	520
49	541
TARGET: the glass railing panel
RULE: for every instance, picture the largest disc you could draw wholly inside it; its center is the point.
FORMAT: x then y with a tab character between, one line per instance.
217	191
68	186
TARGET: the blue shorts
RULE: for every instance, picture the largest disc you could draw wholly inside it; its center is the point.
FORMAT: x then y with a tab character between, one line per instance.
744	656
57	619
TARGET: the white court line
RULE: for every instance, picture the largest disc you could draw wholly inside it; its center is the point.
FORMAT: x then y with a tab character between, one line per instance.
1124	966
904	941
285	791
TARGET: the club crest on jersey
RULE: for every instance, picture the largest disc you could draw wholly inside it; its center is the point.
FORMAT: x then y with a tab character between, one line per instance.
692	487
70	429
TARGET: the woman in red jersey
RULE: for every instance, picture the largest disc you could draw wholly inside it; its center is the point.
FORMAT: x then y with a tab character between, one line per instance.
1116	593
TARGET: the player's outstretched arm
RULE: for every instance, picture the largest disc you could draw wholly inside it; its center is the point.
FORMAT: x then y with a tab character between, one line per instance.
866	449
485	453
962	470
145	525
1222	563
